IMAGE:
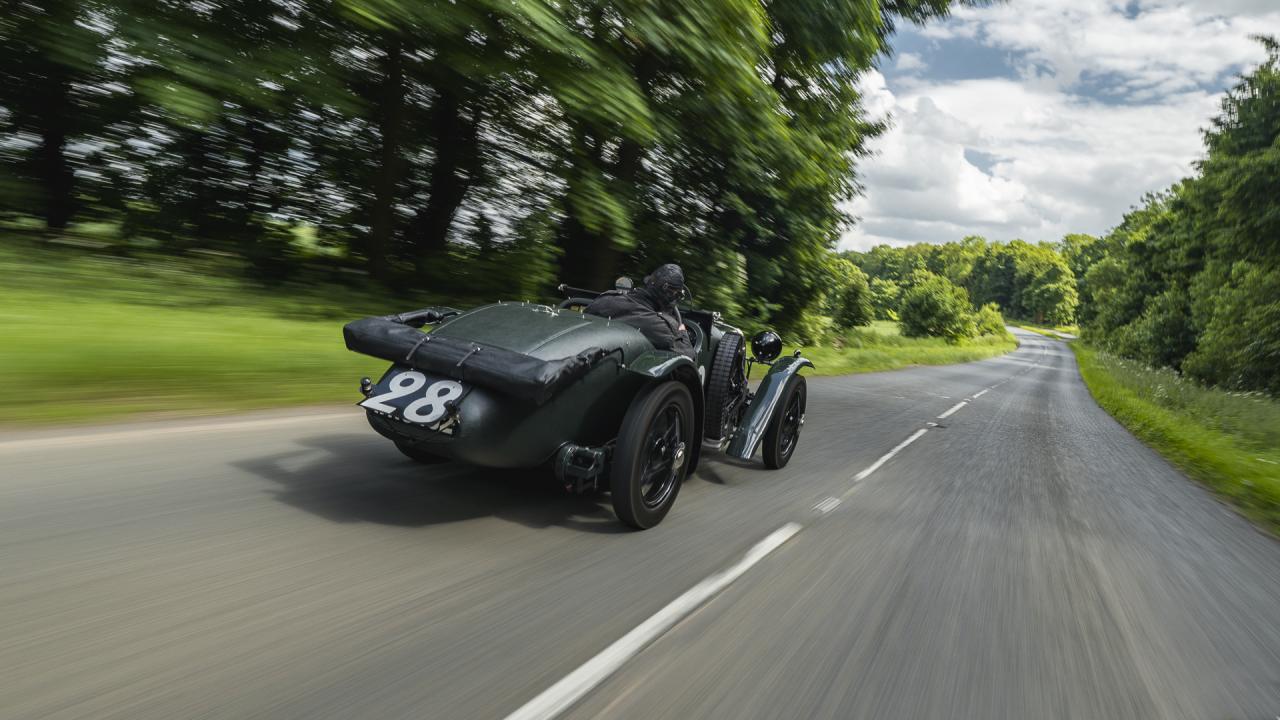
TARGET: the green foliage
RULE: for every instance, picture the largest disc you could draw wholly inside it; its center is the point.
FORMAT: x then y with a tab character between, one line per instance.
1190	279
721	134
850	295
989	321
1239	347
884	298
933	307
1027	281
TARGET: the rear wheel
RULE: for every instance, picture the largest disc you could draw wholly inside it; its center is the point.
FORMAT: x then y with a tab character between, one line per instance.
416	452
726	386
784	429
651	457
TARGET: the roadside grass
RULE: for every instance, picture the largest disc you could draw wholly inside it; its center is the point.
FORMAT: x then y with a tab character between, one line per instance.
1228	441
91	336
94	337
1053	331
881	346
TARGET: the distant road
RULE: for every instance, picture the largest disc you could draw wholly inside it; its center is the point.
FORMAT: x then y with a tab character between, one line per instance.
1023	557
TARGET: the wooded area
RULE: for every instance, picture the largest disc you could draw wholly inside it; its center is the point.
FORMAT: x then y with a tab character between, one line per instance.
1189	280
471	148
492	148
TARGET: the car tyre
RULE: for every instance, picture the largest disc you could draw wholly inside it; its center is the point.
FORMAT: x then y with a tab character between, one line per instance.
651	458
726	385
417	453
783	433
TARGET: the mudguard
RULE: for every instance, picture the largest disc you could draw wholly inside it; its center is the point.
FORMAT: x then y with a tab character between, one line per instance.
747	439
659	363
667	365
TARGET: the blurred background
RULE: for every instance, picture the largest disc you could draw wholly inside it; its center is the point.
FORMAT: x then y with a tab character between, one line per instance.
223	179
205	189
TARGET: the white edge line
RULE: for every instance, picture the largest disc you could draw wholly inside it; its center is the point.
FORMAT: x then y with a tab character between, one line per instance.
147	433
570	689
954	408
885	458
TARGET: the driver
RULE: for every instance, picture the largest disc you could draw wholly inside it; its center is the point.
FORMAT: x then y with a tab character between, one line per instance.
651	309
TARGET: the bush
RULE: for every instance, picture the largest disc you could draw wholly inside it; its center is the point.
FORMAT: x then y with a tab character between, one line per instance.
884	298
989	321
853	306
933	307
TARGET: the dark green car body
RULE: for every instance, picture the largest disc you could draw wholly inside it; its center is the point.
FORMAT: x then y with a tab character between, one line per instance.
574	430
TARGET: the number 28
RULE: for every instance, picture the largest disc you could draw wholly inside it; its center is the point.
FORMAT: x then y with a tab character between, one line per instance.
433	400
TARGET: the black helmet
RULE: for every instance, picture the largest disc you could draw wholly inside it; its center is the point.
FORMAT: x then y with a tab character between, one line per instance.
666	283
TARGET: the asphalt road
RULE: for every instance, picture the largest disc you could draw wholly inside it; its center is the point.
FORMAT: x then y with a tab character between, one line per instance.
1025	558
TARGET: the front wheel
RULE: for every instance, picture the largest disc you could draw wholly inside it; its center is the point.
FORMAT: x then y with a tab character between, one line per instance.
784	429
651	458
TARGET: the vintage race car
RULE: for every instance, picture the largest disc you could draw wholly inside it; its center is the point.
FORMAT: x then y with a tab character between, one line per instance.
515	385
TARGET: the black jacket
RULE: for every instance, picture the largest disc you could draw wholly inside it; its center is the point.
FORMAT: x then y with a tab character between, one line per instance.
638	309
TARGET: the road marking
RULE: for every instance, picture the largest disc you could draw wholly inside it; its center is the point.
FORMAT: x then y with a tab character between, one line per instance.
827	505
117	435
954	408
885	458
559	697
980	393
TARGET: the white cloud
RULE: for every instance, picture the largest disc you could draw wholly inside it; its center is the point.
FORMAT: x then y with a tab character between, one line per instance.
908	62
1051	156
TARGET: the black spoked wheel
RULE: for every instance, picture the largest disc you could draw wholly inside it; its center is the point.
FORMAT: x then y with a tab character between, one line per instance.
726	386
652	454
784	429
416	452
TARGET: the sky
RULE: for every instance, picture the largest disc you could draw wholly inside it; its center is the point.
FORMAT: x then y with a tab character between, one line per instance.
1036	118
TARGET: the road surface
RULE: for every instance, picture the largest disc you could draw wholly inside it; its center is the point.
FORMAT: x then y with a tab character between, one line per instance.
1022	557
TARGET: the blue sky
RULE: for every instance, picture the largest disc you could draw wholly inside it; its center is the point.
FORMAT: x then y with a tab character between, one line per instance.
1035	118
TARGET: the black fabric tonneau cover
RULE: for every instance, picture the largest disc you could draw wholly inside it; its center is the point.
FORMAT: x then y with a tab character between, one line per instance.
509	372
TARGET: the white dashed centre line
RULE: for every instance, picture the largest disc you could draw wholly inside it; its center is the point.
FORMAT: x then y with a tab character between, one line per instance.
827	505
887	456
980	393
559	697
574	686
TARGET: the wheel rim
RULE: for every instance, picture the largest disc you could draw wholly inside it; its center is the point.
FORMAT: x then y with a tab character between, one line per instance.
792	420
664	456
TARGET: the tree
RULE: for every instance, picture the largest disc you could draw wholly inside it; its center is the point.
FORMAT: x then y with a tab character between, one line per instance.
884	298
51	80
722	134
1188	279
851	295
933	307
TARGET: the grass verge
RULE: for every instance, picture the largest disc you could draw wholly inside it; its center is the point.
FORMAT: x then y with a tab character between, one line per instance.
1058	332
881	347
92	337
1228	441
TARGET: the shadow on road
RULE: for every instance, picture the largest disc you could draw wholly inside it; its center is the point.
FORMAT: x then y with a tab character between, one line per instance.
357	478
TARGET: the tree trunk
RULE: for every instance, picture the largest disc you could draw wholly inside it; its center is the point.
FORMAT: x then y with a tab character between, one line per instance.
589	260
57	180
454	170
387	180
